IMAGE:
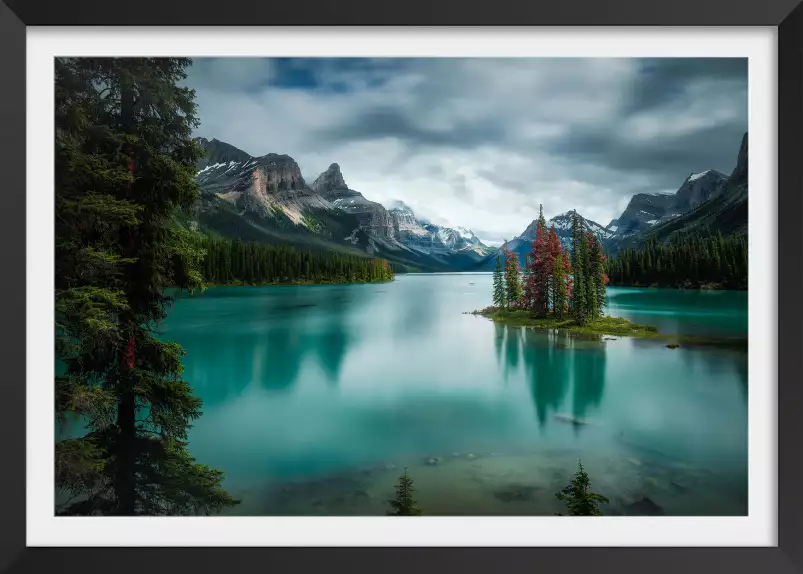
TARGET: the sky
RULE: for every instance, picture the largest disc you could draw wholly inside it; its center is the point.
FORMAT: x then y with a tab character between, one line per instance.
481	142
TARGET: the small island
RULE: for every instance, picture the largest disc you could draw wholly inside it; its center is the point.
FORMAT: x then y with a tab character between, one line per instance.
603	325
565	290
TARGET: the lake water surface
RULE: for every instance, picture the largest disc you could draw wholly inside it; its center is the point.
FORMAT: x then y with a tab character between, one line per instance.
316	397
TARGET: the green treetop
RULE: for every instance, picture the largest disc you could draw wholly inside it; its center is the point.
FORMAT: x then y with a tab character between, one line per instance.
125	162
403	504
578	498
499	284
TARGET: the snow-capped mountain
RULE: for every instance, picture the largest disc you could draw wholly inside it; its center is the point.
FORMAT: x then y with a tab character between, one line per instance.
522	245
563	228
418	233
647	210
265	198
707	201
373	217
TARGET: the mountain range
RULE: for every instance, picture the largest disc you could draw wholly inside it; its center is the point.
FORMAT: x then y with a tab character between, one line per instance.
706	202
266	199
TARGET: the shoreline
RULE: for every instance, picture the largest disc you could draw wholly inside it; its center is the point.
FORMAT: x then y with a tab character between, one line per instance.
519	481
703	287
287	284
606	325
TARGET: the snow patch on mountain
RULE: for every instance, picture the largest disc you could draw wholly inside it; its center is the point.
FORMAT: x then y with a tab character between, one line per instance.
210	168
696	176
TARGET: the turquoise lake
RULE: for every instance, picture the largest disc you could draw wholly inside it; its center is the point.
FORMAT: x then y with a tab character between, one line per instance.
316	398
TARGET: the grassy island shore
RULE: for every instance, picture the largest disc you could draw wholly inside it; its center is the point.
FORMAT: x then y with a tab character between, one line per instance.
605	325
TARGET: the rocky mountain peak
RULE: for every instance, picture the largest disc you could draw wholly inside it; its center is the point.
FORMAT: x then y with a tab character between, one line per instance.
399	205
330	180
739	174
563	228
698	188
218	152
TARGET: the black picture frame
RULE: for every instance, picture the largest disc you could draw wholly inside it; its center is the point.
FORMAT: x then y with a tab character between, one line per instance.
786	15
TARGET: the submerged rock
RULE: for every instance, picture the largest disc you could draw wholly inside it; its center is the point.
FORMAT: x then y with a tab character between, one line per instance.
653	482
433	460
678	485
471	456
571	419
644	507
390	466
515	492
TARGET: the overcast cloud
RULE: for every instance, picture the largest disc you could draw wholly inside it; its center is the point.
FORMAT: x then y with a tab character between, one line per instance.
482	142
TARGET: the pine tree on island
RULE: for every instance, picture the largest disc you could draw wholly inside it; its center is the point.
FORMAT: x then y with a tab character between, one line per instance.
500	298
513	290
555	281
539	270
561	281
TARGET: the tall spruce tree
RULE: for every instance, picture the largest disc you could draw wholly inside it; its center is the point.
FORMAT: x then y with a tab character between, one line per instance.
589	277
556	277
403	504
598	274
513	289
542	267
578	304
560	291
578	498
125	161
529	282
499	284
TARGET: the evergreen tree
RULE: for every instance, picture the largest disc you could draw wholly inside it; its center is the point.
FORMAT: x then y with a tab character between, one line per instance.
569	282
560	288
125	162
499	284
512	279
578	306
556	276
233	261
597	277
530	279
578	498
687	260
403	504
541	267
591	304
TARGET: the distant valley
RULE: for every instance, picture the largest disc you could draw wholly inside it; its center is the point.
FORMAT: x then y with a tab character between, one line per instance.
266	199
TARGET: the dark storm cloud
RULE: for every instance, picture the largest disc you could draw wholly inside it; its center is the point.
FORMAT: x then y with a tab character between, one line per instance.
382	123
483	142
662	79
666	162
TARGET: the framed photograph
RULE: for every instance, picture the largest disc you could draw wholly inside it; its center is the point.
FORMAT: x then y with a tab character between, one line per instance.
398	288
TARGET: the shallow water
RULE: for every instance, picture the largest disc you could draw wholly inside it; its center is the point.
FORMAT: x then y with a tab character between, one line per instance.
315	397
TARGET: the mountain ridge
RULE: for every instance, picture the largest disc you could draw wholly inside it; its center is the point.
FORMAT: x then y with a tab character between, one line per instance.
721	207
266	199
